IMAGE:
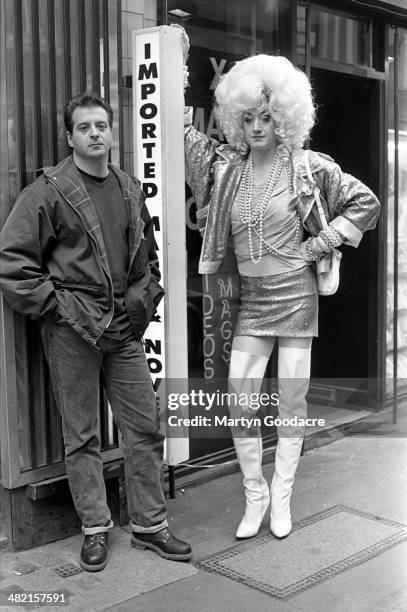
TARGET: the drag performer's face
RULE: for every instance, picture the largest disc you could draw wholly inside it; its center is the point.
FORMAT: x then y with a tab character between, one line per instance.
258	129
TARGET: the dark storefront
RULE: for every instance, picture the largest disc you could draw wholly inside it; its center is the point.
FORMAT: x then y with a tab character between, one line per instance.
349	54
356	56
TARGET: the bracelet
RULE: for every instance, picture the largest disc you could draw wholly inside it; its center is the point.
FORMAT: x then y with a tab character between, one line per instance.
321	244
330	237
310	251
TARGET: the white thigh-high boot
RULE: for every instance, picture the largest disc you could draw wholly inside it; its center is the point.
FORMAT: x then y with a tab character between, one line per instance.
293	375
245	376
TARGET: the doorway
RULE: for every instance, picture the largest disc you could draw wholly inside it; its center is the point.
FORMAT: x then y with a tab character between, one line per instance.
347	129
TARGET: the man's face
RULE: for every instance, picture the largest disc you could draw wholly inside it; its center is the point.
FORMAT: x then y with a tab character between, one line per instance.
91	136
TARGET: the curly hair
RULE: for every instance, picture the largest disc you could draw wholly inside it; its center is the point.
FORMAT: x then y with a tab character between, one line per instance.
266	79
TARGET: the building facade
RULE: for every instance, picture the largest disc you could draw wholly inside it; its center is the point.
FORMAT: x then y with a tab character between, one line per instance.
355	53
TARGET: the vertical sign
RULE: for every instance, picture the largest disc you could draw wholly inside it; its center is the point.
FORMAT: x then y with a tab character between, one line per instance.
158	110
148	168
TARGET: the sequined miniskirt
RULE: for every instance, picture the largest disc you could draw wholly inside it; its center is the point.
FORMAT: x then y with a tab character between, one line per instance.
279	305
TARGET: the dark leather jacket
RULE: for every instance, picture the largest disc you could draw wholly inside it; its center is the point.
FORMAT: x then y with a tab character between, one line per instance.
53	259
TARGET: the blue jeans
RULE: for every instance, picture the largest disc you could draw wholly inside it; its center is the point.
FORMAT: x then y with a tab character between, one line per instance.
75	368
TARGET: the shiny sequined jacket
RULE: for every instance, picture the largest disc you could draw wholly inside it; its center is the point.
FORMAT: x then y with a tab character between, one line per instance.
213	173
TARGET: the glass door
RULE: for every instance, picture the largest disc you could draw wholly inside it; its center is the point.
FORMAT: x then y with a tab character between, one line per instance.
338	52
220	33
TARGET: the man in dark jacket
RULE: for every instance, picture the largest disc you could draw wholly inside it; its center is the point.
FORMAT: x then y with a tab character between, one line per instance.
78	253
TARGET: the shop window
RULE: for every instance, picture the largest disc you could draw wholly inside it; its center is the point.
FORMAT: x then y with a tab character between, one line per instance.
220	34
335	37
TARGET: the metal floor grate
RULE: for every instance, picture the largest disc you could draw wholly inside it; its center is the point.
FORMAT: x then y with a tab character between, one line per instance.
320	547
66	569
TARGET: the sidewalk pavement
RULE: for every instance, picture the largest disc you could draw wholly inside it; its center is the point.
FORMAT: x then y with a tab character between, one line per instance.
347	551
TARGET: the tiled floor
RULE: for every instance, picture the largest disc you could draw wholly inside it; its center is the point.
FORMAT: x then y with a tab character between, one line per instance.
54	568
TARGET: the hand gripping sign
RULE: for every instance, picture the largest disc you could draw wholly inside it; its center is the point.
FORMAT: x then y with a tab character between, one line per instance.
158	110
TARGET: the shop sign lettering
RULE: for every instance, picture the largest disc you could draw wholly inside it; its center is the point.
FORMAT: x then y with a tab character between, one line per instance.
219	311
147	117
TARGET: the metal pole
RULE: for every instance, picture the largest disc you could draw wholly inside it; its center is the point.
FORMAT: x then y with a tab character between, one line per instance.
308	40
253	29
307	51
163	12
396	223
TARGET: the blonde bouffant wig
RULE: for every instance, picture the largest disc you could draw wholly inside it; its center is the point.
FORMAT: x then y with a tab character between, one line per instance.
270	80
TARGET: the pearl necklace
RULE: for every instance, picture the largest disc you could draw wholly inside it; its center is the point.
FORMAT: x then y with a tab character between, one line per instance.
253	214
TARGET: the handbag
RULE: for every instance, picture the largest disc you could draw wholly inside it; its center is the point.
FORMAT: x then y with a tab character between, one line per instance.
327	268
